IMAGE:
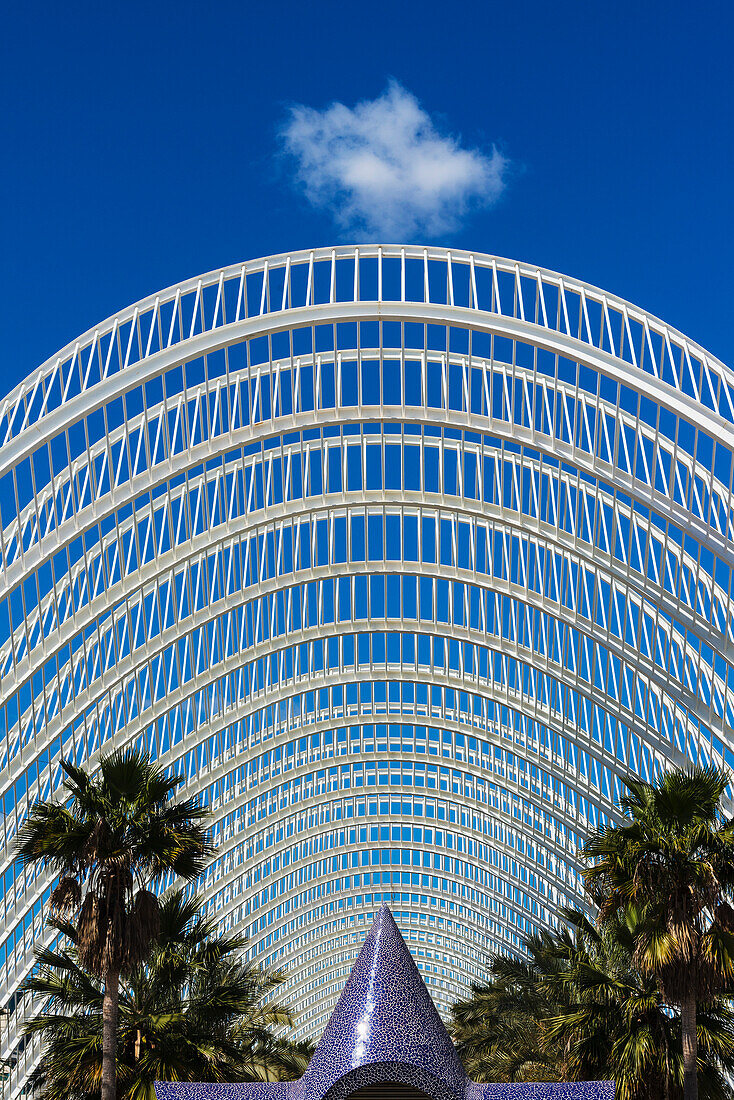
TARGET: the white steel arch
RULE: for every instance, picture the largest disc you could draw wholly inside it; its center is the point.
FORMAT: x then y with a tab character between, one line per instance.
402	557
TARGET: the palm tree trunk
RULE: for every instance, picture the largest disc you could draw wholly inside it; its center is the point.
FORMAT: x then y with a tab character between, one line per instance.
690	1048
109	1034
667	1073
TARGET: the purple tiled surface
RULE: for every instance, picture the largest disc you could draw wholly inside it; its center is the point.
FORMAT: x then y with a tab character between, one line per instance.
384	1015
173	1090
582	1090
385	1028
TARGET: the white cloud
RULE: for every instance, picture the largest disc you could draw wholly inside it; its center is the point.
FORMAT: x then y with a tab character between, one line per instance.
382	167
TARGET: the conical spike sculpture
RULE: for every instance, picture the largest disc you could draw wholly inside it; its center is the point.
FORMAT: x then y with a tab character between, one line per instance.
385	1031
384	1015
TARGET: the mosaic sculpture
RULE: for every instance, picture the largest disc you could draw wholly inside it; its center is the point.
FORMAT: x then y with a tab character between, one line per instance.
385	1030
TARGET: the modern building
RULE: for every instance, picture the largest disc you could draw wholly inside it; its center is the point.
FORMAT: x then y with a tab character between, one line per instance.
403	558
385	1041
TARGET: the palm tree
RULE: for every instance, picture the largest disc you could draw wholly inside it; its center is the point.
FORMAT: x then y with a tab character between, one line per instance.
500	1031
577	1008
672	861
614	1022
112	837
193	1012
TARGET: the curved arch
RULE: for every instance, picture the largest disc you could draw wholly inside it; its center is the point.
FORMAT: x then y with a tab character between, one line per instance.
355	536
383	1073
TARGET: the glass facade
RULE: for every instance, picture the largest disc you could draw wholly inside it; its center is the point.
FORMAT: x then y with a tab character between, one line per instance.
402	558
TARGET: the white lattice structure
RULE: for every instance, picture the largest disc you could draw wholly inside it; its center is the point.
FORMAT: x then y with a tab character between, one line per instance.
401	557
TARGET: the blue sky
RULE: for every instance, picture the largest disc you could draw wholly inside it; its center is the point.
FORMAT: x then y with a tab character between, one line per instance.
146	143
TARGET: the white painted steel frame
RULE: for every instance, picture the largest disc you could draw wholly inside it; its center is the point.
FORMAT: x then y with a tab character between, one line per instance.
442	523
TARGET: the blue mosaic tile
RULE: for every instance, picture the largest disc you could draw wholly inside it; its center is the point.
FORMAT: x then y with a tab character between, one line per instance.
385	1028
177	1090
384	1015
581	1090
